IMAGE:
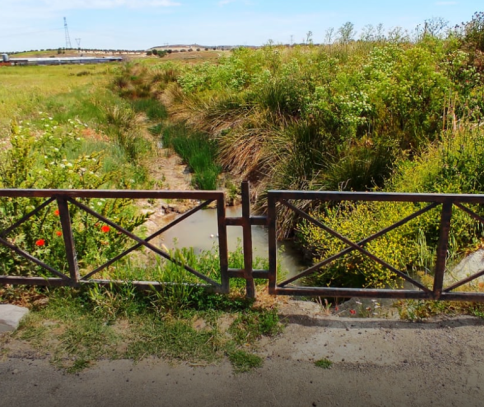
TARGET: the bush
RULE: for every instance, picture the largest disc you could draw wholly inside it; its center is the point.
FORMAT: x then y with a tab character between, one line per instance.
37	161
455	165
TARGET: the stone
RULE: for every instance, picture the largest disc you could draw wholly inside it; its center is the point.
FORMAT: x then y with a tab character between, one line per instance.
471	264
10	316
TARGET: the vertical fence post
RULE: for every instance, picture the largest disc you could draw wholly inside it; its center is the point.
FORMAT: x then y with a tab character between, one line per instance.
442	249
68	239
223	245
271	224
247	234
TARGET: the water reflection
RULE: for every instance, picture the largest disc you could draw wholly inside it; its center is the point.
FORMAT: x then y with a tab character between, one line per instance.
200	232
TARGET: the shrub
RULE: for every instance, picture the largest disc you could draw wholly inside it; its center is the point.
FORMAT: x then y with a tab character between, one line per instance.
37	161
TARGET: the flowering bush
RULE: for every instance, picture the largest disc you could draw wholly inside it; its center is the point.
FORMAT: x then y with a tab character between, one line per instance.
38	160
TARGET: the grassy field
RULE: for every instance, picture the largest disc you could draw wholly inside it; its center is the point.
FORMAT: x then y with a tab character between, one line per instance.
27	90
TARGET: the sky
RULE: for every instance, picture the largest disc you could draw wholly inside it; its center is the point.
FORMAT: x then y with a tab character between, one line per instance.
142	24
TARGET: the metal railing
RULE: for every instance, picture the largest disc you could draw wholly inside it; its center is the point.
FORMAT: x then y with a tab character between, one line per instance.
64	198
437	292
276	199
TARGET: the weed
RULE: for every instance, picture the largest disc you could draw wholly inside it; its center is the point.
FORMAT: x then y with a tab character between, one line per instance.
244	362
323	363
198	151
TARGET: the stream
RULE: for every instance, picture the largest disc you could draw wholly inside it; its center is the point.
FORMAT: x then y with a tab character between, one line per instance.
200	232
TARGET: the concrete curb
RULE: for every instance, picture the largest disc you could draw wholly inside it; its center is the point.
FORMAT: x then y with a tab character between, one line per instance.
10	316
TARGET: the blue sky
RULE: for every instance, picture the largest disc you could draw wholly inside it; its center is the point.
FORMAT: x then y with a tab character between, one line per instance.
141	24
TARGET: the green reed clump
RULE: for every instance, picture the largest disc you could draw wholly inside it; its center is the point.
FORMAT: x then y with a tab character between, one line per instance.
198	151
153	109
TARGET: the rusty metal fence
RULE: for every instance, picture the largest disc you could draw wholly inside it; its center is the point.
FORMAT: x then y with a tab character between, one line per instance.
276	199
64	198
447	202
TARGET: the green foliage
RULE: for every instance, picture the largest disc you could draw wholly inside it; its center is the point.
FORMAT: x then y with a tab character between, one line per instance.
37	161
251	325
154	109
323	363
79	326
472	32
243	361
454	165
198	151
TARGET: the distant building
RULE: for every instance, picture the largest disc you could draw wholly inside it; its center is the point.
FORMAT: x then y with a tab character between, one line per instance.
58	60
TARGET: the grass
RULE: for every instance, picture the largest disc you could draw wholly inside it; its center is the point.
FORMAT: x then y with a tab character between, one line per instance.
243	361
323	363
25	90
153	108
77	327
198	151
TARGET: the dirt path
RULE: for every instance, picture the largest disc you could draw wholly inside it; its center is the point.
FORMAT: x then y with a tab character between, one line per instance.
375	363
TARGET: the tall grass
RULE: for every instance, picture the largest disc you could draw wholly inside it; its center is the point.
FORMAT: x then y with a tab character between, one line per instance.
198	151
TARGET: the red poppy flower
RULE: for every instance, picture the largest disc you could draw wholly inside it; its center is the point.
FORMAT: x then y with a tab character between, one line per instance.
56	212
58	233
40	242
105	228
352	312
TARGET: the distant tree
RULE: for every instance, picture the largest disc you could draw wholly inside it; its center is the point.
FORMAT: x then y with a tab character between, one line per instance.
472	32
155	51
380	34
198	49
149	53
346	33
368	33
433	27
398	35
309	37
329	35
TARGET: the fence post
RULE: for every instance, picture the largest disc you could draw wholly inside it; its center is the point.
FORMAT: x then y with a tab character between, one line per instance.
222	244
271	224
442	249
247	234
68	239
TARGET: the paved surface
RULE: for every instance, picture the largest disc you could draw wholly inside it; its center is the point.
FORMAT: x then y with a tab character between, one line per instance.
376	363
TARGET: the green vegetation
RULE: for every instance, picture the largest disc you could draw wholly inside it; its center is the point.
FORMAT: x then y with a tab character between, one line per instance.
79	326
243	361
386	113
323	363
198	151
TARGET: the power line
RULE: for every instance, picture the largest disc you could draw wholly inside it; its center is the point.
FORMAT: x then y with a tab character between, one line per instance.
68	39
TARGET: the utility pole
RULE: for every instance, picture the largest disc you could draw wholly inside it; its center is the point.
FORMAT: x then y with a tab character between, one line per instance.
78	40
68	39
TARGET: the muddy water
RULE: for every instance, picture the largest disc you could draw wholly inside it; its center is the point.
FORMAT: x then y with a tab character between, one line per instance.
200	232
